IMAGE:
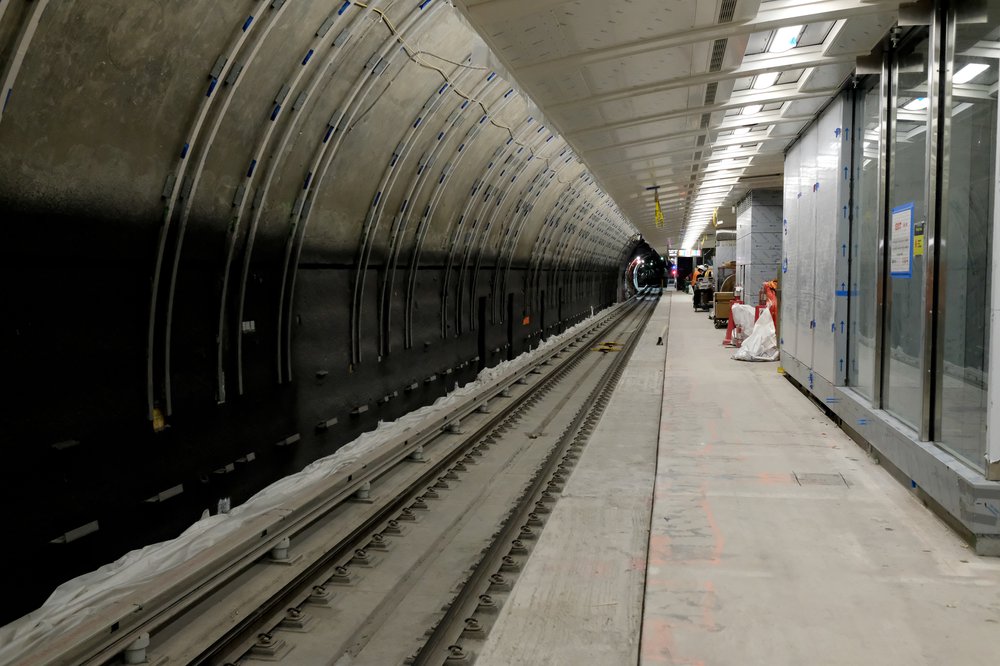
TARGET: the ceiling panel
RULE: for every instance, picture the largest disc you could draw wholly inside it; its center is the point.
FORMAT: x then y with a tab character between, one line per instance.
649	92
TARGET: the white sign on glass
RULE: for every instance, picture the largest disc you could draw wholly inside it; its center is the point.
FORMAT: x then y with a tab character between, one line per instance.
901	241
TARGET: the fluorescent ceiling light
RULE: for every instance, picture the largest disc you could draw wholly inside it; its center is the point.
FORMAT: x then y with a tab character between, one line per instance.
741	131
969	72
763	81
785	39
752	109
919	104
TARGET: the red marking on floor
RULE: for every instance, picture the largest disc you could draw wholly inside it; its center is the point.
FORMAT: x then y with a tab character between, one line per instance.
719	541
769	479
658	644
660	551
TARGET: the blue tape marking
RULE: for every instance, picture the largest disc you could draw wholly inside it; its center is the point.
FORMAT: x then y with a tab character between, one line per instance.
305	185
416	122
326	137
800	196
833	401
833	328
425	3
441	179
6	98
508	93
492	76
184	150
308	56
815	187
440	135
343	7
862	422
913	484
211	86
550	138
420	169
464	104
276	111
442	88
847	133
847	173
253	165
509	141
427	210
402	209
378	195
836	132
842	292
483	119
461	148
247	23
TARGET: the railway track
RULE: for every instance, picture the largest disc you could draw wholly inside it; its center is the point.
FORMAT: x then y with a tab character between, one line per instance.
406	555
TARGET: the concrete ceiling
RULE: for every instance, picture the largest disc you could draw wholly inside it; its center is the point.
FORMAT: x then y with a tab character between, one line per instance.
692	97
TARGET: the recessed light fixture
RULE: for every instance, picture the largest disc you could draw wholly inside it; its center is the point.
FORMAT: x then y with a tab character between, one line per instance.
741	131
785	39
969	72
752	109
763	81
919	104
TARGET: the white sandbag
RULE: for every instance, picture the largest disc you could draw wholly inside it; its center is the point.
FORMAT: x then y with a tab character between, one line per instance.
762	344
743	317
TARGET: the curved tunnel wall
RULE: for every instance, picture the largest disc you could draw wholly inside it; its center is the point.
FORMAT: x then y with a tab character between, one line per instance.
237	234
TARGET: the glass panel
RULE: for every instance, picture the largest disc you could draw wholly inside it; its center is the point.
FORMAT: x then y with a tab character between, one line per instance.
864	238
903	386
966	231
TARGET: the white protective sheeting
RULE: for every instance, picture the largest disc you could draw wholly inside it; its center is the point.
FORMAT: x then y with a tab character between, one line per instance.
75	600
762	344
789	314
814	291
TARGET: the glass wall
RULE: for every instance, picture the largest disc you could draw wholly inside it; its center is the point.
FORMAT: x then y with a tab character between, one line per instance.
939	389
902	385
966	231
864	239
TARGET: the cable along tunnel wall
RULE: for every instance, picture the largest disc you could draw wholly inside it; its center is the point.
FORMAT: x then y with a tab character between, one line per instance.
239	234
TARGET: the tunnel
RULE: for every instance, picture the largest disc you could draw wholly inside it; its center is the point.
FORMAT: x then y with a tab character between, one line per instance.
239	234
284	281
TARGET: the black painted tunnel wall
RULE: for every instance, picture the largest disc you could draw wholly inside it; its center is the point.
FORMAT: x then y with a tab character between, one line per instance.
227	224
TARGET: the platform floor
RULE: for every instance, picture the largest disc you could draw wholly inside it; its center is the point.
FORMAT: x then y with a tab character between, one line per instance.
774	538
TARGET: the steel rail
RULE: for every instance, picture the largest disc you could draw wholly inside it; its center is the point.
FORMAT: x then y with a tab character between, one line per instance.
442	645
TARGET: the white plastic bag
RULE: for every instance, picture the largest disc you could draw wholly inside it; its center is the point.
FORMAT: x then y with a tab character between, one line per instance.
762	343
742	320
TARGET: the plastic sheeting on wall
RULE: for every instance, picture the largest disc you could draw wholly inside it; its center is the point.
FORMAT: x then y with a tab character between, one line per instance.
814	289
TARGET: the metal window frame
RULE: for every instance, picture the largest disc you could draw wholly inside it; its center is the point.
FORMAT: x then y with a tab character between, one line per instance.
887	153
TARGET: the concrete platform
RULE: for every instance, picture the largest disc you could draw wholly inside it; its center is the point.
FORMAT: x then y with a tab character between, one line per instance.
774	540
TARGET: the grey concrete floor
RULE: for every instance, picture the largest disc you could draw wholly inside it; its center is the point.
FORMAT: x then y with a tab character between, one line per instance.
776	540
